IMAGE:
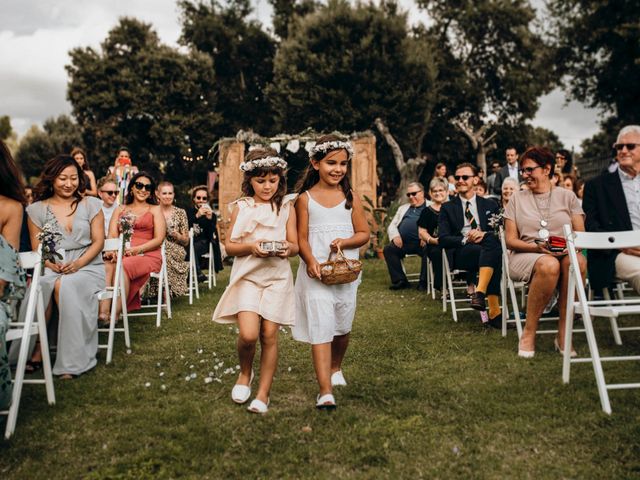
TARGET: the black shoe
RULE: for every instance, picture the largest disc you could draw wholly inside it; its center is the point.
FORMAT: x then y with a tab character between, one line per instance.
477	302
202	278
496	322
421	287
399	285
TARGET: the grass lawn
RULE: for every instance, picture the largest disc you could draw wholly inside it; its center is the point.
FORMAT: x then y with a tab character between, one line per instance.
427	398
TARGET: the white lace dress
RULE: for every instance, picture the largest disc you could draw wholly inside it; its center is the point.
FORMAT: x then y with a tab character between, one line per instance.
323	311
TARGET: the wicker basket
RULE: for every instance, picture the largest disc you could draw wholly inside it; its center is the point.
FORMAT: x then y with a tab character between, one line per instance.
340	270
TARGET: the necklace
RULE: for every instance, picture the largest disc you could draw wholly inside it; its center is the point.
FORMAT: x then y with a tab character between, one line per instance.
543	233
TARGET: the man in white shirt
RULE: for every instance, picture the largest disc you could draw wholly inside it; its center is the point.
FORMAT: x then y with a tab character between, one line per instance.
612	203
511	169
108	192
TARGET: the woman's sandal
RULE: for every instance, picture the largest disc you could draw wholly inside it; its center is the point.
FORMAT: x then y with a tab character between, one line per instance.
258	406
103	320
67	376
33	366
326	402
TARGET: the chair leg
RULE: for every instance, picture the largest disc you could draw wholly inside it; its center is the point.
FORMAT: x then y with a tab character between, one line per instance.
44	346
191	278
614	321
159	299
125	317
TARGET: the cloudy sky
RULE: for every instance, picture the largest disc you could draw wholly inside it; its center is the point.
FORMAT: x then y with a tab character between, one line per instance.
35	36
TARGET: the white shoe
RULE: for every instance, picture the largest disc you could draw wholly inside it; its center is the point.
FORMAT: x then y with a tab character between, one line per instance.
326	402
526	353
258	406
337	379
241	393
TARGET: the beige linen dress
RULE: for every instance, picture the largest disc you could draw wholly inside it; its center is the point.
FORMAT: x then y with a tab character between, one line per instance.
261	285
524	211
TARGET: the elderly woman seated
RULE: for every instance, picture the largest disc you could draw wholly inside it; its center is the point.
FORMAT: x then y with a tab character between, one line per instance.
531	217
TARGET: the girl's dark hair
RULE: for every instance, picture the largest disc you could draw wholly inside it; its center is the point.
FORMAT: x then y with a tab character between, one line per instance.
52	169
151	199
247	188
11	182
568	160
311	176
78	150
542	156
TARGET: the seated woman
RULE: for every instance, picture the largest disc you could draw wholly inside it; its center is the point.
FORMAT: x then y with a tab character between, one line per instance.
12	278
176	241
90	179
75	280
428	226
532	216
142	255
205	230
509	186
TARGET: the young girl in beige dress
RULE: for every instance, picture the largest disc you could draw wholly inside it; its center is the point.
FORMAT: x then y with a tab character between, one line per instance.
260	292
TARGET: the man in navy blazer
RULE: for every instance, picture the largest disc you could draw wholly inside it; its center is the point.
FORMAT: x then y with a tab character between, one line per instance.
612	203
463	230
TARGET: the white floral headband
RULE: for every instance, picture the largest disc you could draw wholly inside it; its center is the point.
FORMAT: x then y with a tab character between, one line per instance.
263	162
329	146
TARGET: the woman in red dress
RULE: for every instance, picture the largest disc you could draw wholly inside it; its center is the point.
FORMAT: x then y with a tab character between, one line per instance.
142	256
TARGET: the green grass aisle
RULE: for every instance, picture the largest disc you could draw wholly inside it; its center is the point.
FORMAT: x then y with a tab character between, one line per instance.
426	398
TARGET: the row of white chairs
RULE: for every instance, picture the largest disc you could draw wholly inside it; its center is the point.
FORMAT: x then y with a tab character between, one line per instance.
626	304
35	324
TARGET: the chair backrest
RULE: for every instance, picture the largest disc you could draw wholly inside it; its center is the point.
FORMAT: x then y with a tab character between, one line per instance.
112	244
505	251
602	240
29	259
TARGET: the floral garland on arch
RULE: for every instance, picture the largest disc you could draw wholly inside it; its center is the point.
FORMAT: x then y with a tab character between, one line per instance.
263	162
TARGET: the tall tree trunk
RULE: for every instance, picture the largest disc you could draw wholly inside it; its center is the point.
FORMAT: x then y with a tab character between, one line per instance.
481	145
409	170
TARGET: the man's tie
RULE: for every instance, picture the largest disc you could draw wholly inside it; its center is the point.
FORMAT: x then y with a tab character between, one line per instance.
469	216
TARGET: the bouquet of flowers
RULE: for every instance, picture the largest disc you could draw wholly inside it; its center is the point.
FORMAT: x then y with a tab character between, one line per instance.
496	220
49	237
125	223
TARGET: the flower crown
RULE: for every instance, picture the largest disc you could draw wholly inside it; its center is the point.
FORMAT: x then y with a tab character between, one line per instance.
263	162
329	146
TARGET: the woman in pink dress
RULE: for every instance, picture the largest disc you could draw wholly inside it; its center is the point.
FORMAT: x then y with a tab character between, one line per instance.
142	256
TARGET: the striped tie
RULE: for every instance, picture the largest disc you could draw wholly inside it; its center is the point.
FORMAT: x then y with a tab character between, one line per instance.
469	216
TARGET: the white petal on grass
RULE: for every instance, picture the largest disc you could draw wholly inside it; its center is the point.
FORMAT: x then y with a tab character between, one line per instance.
163	387
289	369
199	351
187	378
208	380
194	375
191	366
148	384
161	374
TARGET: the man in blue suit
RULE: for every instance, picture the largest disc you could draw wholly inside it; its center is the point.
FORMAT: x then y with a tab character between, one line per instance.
463	230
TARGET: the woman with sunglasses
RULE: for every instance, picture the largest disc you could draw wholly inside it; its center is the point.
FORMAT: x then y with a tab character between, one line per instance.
532	216
204	223
142	256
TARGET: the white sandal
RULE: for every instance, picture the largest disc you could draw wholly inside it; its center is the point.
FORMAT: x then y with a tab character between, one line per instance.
241	393
258	406
337	379
326	402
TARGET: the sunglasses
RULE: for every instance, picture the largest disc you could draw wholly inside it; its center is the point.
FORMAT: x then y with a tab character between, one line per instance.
528	170
413	194
462	177
630	146
143	186
201	198
110	192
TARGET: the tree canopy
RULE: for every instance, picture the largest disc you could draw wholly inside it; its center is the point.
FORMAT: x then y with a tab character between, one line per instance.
150	97
342	66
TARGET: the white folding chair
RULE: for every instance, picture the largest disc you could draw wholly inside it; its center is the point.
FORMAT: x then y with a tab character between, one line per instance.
413	276
508	284
450	286
619	291
193	271
431	284
115	293
211	273
611	309
22	332
163	287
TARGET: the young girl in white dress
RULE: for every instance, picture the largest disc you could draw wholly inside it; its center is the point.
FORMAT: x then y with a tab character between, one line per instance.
330	216
260	288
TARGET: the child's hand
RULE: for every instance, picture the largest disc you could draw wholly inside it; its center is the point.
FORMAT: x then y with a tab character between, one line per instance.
284	253
337	243
257	251
313	269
